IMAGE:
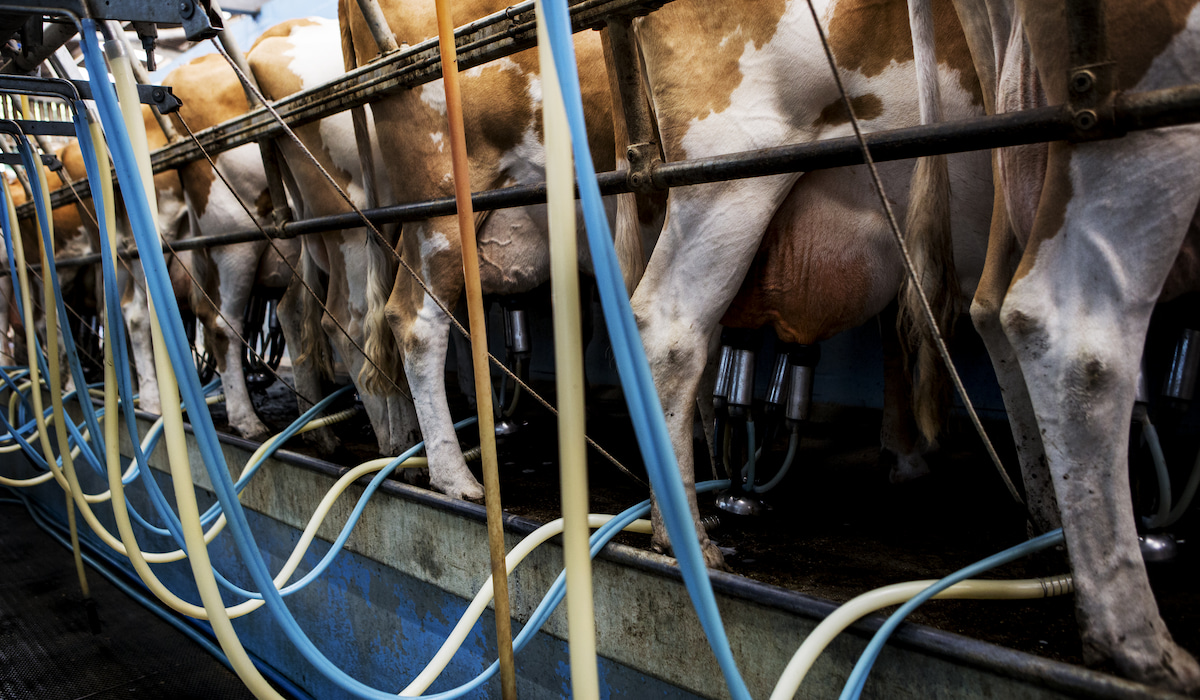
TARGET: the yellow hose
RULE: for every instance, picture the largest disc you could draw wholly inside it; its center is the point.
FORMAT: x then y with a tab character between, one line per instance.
181	472
869	602
459	634
45	230
568	372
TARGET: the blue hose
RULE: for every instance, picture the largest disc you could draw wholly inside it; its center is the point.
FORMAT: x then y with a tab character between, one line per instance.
659	451
32	164
636	380
858	677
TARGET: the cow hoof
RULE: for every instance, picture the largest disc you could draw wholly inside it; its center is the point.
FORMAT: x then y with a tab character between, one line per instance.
467	490
908	468
1175	670
253	430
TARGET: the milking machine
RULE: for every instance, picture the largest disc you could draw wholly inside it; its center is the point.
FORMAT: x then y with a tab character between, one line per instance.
1178	388
788	403
518	346
787	406
264	350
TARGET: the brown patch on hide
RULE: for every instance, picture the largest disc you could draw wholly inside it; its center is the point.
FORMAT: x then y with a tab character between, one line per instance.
263	205
1138	32
1051	214
270	63
713	46
211	94
866	107
868	36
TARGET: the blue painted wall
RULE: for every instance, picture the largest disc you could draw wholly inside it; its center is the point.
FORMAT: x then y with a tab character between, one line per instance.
378	625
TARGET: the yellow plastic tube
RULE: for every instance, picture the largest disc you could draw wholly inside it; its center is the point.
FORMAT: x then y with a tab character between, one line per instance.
896	594
50	310
181	472
568	372
459	634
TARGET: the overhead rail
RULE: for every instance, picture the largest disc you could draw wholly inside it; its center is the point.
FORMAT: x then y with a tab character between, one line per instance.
1129	112
487	39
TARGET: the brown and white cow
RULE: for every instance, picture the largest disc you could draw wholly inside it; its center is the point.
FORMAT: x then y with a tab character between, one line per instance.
828	261
502	103
1086	239
297	55
225	275
74	235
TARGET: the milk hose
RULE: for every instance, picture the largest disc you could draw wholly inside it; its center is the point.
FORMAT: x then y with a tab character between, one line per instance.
135	189
17	250
477	322
111	570
887	596
555	594
459	634
167	311
858	677
56	309
262	454
1160	472
793	444
174	353
66	476
1167	515
640	393
568	376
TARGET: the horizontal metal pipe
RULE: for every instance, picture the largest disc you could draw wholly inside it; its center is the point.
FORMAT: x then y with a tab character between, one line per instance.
1133	112
495	36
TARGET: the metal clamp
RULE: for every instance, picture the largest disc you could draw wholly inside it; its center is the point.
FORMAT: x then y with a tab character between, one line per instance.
1092	78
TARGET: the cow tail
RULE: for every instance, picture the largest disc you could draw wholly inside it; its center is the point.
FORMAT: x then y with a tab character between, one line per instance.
382	350
928	236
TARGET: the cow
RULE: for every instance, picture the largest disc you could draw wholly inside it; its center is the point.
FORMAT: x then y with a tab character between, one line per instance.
502	103
221	279
1086	238
827	260
74	235
297	55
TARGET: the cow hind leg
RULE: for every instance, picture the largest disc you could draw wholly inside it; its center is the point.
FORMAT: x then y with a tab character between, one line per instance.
306	374
1041	505
137	319
423	337
1111	219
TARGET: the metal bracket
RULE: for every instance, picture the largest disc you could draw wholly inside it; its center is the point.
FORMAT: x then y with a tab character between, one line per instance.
36	128
198	18
65	90
72	91
51	162
160	97
1092	78
644	152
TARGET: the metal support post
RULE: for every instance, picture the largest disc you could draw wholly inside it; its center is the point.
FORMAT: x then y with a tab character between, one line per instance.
644	151
385	41
1091	78
281	213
